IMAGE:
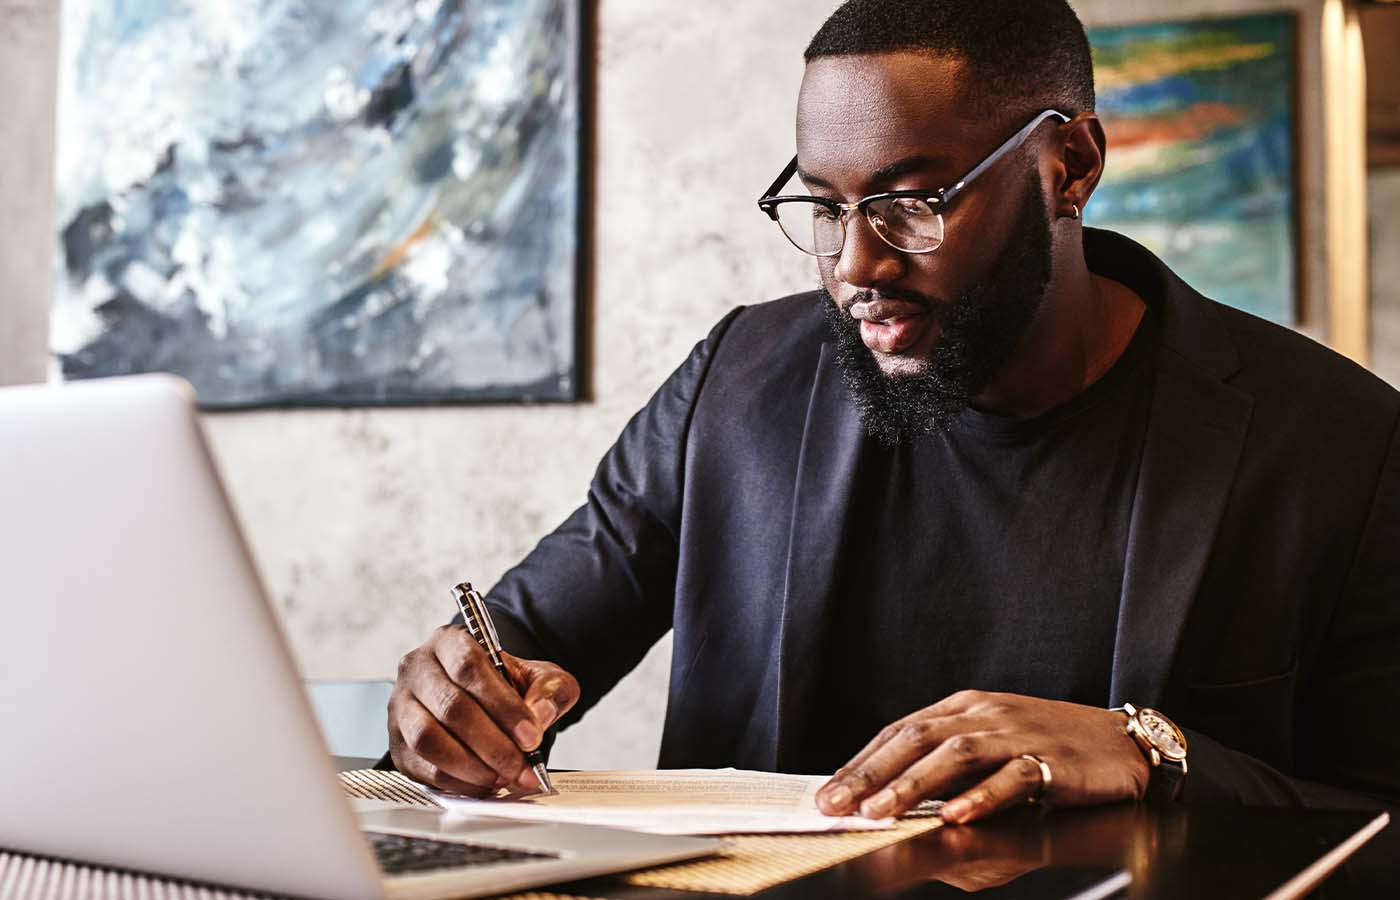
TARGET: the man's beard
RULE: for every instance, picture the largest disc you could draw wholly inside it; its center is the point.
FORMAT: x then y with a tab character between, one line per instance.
980	330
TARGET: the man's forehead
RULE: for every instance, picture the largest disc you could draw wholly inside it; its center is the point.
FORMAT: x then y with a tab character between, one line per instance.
905	86
858	114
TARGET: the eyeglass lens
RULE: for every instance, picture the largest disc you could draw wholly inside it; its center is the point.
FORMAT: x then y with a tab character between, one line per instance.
905	223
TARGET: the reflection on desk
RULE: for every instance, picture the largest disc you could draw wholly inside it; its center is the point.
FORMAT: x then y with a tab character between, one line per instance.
1177	852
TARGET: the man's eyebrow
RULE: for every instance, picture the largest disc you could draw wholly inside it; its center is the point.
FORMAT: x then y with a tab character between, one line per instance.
897	169
909	165
812	180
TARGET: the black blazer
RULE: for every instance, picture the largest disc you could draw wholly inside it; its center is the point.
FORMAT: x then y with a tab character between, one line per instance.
1261	599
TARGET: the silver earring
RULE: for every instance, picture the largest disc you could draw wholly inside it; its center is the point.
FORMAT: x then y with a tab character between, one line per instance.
1075	208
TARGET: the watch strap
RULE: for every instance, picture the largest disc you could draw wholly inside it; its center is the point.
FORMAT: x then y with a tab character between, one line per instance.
1165	783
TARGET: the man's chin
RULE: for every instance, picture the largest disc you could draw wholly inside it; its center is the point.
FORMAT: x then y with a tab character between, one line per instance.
901	365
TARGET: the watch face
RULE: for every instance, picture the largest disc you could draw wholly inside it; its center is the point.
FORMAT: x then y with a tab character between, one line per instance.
1165	736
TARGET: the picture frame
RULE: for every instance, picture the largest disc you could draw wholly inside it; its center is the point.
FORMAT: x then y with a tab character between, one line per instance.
371	203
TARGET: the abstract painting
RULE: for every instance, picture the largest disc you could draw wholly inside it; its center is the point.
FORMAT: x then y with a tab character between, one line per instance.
300	202
1201	160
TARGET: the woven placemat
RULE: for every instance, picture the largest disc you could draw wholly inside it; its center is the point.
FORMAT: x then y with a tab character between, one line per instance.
751	863
37	878
756	862
374	785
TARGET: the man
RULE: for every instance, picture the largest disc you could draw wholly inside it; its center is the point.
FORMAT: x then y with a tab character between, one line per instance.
928	526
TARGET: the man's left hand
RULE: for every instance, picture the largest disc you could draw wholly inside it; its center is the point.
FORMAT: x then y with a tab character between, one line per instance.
977	738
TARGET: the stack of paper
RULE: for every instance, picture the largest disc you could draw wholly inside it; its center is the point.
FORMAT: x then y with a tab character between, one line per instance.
674	801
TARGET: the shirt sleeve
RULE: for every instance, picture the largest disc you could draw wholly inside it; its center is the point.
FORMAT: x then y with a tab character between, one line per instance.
596	593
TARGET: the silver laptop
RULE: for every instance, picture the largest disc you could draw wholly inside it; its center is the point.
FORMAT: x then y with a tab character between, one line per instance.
153	717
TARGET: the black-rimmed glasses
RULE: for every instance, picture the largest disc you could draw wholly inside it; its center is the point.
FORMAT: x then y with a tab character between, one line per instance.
910	221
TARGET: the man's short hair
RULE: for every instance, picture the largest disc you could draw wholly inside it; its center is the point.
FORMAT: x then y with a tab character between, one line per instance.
1022	56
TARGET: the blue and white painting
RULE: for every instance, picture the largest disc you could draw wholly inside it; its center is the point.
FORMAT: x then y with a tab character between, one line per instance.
323	203
1200	122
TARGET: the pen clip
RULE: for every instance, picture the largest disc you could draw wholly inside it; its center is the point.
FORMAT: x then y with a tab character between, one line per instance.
478	619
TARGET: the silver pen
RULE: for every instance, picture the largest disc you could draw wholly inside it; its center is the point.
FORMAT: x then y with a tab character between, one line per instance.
478	622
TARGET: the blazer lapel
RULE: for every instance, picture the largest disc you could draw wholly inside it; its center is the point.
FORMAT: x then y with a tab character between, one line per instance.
832	441
1194	437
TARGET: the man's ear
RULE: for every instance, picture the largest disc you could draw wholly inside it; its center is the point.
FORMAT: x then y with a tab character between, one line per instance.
1079	166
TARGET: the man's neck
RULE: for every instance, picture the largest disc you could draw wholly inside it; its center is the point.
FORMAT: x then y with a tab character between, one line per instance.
1080	331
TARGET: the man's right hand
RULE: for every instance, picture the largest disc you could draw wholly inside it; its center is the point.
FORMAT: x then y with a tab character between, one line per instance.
454	724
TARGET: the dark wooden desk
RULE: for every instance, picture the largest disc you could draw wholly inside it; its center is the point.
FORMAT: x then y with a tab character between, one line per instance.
1201	852
1173	854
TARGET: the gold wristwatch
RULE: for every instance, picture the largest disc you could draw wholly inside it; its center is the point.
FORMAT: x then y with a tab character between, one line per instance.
1164	745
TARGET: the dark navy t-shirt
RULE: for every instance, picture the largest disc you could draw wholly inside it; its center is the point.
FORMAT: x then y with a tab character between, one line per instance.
995	552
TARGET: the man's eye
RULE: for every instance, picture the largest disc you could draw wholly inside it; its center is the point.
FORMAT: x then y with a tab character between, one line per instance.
911	207
822	214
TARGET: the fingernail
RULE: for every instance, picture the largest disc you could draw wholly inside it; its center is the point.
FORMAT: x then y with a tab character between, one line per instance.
956	810
858	310
880	805
527	735
528	779
544	711
839	798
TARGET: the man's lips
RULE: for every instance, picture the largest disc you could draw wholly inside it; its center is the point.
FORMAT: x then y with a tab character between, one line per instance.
884	309
891	326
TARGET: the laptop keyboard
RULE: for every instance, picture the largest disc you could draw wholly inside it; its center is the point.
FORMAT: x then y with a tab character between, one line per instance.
399	854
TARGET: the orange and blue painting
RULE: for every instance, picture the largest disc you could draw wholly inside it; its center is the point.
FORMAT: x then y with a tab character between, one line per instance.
1200	122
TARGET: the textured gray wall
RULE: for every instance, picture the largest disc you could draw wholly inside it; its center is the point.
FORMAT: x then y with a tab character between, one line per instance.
362	519
28	57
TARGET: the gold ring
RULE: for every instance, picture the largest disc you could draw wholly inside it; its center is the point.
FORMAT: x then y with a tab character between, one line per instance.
1045	777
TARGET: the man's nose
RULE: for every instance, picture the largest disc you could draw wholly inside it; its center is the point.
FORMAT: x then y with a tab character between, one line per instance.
866	260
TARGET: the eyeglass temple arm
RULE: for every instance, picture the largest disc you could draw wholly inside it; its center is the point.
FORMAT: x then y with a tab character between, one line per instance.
1016	140
782	180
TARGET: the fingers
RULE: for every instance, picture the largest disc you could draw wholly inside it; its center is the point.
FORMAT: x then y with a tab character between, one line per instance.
424	751
887	734
1013	783
549	691
457	724
961	703
854	781
462	715
890	756
956	761
457	687
468	667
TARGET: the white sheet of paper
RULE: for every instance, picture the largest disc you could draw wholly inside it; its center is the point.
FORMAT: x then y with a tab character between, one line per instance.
674	801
